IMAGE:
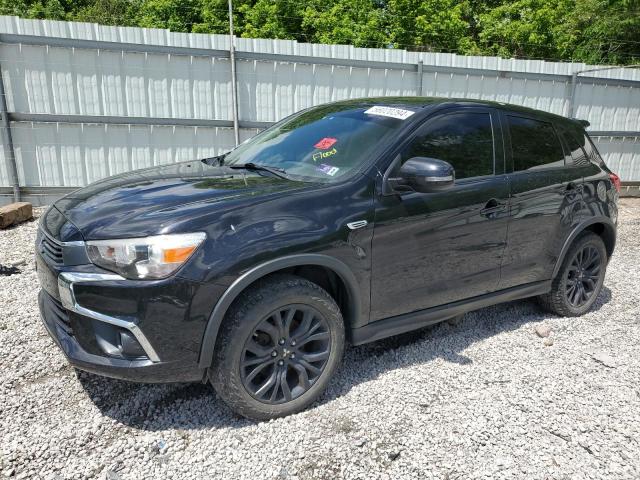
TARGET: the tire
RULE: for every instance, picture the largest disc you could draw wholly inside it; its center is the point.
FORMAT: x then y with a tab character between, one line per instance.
260	332
589	255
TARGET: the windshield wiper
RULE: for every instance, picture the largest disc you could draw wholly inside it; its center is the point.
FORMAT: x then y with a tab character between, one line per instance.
278	172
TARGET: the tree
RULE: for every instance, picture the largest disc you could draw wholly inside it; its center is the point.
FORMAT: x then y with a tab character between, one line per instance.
593	31
357	22
605	32
272	19
47	9
430	25
525	28
108	12
175	15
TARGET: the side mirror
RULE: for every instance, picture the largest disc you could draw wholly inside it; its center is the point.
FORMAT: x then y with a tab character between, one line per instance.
423	174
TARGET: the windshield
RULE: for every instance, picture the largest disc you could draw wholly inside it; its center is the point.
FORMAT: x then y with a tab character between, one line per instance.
320	144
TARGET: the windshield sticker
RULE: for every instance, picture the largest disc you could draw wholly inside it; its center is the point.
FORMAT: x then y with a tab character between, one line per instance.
398	113
320	155
325	143
328	169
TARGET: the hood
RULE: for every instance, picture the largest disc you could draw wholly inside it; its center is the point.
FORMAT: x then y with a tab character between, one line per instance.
152	201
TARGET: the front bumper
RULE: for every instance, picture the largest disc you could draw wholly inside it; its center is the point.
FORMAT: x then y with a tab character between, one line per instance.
90	312
137	370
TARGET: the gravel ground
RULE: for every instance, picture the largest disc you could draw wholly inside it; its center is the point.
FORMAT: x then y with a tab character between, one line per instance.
487	398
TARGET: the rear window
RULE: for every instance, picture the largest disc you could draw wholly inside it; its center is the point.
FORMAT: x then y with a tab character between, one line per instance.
577	142
592	151
535	144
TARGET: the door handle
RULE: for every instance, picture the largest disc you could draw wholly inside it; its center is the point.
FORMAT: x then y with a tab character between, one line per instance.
492	207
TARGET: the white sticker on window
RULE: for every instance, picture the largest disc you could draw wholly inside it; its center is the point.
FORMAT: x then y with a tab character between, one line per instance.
392	112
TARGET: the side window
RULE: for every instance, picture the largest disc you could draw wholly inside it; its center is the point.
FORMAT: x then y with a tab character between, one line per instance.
576	143
592	152
534	144
465	140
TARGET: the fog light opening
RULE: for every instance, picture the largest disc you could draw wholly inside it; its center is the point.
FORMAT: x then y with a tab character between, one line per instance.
117	341
129	345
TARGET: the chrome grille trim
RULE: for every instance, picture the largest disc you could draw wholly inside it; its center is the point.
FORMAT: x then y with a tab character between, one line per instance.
53	249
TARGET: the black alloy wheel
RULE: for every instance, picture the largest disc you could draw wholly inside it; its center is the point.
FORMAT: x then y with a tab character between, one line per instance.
579	280
583	275
278	346
286	354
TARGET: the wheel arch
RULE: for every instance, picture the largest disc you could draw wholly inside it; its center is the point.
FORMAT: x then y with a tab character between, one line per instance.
601	226
304	265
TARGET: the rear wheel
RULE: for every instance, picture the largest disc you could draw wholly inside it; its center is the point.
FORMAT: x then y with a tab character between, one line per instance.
279	345
580	279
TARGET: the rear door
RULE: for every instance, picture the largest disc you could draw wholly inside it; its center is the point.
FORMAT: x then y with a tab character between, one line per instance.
546	193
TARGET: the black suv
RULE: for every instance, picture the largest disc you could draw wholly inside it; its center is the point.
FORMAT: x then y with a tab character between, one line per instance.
351	221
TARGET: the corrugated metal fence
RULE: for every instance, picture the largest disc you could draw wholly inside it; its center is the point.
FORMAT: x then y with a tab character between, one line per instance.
85	101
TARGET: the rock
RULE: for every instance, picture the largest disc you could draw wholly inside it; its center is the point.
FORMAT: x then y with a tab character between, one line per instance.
548	342
8	271
15	213
604	359
394	455
359	442
543	331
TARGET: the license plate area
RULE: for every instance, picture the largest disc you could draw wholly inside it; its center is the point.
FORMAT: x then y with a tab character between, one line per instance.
48	278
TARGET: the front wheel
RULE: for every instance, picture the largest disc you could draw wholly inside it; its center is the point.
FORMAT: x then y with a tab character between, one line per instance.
279	345
580	279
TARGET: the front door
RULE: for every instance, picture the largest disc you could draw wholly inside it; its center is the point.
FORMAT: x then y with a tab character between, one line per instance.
430	249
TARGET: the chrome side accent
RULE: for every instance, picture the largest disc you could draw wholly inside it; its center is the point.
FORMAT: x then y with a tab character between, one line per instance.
78	243
66	280
448	178
357	224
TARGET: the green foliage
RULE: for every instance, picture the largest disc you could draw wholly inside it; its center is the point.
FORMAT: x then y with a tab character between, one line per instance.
432	25
606	32
110	12
50	9
175	15
525	28
593	31
271	19
356	22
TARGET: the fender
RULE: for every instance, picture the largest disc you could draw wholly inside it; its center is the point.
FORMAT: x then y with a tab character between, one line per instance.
255	273
609	226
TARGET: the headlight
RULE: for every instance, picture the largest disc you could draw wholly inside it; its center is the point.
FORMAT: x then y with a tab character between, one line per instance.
145	258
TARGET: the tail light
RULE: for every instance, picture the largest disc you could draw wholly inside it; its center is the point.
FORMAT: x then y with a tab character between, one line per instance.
615	179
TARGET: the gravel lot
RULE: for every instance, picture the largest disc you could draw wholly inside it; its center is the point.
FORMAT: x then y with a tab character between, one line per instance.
486	398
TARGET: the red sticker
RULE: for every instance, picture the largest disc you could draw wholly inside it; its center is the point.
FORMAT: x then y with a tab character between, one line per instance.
326	142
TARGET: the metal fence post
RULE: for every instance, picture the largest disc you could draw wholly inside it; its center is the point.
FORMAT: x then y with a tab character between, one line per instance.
572	94
7	142
234	86
420	75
